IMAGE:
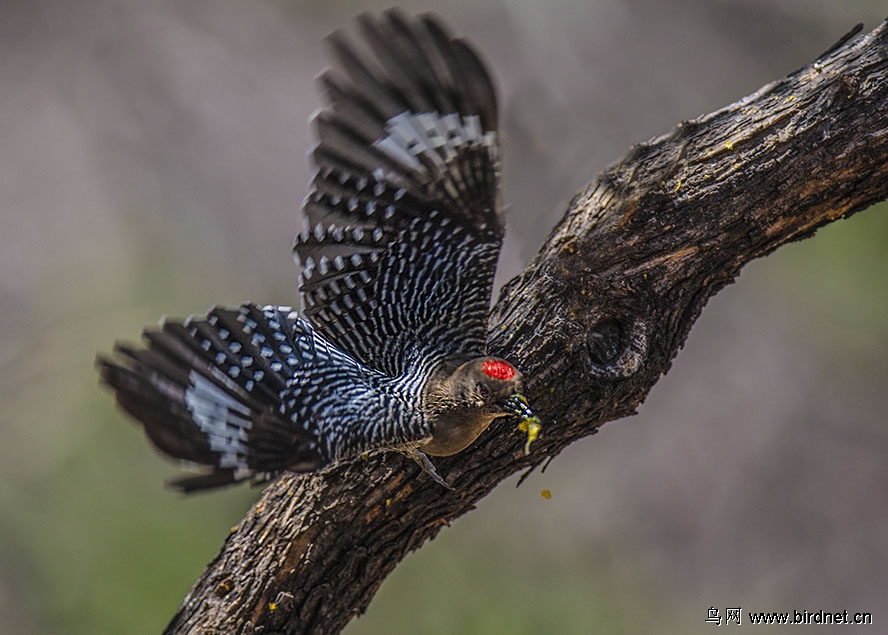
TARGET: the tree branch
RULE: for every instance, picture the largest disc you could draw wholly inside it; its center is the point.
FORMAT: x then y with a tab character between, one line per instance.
593	322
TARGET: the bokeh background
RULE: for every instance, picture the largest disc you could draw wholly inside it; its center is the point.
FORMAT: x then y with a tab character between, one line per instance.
152	161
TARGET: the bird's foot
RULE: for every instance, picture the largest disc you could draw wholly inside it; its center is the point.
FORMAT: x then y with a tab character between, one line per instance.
423	461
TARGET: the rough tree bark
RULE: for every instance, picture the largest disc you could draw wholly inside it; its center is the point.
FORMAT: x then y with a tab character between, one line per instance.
593	322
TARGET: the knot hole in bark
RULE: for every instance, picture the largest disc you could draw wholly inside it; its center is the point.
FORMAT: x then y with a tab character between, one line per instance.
603	319
616	348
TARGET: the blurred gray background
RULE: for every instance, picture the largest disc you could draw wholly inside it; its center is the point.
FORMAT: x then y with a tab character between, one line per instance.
152	161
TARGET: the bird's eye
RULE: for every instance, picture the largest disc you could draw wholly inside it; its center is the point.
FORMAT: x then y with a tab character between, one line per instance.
483	390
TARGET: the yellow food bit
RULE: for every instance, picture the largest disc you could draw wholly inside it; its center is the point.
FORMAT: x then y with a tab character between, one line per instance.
532	427
729	145
546	494
272	606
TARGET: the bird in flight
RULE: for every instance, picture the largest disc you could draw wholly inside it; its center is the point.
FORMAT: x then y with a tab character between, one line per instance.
403	231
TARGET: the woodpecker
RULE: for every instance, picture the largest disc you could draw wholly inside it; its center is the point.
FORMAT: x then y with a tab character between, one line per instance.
403	231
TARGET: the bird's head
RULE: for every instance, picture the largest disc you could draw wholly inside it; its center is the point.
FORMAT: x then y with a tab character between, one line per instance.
492	388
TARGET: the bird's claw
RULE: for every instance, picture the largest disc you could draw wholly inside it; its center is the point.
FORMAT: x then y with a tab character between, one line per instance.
423	461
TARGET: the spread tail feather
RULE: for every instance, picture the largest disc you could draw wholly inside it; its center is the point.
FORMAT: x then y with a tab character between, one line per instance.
207	391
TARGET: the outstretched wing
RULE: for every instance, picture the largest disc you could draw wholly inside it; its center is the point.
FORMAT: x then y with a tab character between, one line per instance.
251	392
404	222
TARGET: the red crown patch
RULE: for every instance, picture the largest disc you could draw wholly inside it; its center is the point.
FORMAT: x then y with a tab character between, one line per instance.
498	369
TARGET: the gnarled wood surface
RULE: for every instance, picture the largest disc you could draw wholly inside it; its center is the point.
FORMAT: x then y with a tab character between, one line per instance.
593	322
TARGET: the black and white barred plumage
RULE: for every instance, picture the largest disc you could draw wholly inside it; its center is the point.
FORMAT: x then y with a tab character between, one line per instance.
403	232
404	222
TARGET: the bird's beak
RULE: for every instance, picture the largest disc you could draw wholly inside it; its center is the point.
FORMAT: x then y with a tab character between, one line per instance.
527	421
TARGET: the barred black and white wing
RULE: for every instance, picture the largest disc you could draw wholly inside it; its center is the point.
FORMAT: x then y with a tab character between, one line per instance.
404	223
254	391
